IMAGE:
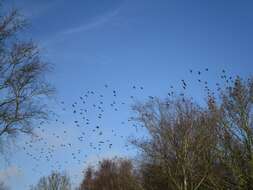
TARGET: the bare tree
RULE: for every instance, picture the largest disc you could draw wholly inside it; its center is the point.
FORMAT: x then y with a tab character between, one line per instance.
56	181
87	183
180	149
111	175
22	82
235	120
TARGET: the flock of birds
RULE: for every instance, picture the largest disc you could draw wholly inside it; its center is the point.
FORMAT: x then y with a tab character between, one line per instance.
79	131
93	126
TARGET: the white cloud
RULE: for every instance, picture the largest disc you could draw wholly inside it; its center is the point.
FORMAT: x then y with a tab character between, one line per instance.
11	171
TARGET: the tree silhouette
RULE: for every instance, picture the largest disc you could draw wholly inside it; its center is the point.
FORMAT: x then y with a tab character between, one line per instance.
111	175
55	181
181	144
22	82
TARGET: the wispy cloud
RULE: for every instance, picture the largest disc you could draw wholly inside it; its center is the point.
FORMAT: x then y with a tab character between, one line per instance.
94	23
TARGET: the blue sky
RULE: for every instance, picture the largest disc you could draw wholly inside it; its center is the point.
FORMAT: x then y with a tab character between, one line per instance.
132	42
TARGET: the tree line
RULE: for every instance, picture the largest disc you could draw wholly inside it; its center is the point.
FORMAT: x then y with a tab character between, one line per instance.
188	147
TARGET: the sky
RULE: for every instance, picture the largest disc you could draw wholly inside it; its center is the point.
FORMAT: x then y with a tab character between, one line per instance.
121	43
